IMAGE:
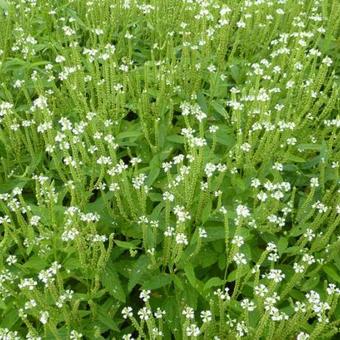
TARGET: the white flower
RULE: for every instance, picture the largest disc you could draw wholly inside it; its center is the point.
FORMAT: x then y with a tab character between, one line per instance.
262	196
213	128
314	182
74	335
291	141
39	103
223	210
332	289
204	186
135	160
240	258
167	196
238	240
102	160
69	235
298	268
144	313
276	275
181	214
188	312
255	183
128	337
245	147
18	84
248	305
277	195
211	68
181	239
273	257
178	159
68	30
308	259
241	24
159	313
59	59
98	31
193	330
271	246
270	301
206	316
242	211
322	208
327	61
11	259
44	316
145	295
197	142
169	231
44	127
300	307
114	187
28	283
209	169
30	304
166	166
261	290
241	329
128	35
66	296
138	181
302	336
202	233
223	295
221	167
127	312
278	166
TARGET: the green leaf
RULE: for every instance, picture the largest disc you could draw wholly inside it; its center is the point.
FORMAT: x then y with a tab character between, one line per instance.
158	281
72	264
105	319
215	233
293	158
138	271
35	262
201	100
155	196
206	211
13	63
237	72
190	275
213	282
282	245
332	272
311	283
207	257
127	245
219	108
3	4
172	316
130	134
243	270
153	176
225	136
178	282
10	318
13	183
315	147
175	139
110	280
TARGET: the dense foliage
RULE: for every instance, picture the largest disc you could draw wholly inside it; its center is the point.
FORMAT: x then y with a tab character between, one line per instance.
169	169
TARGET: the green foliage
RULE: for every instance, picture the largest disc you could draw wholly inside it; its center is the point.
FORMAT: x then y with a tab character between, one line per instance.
169	169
